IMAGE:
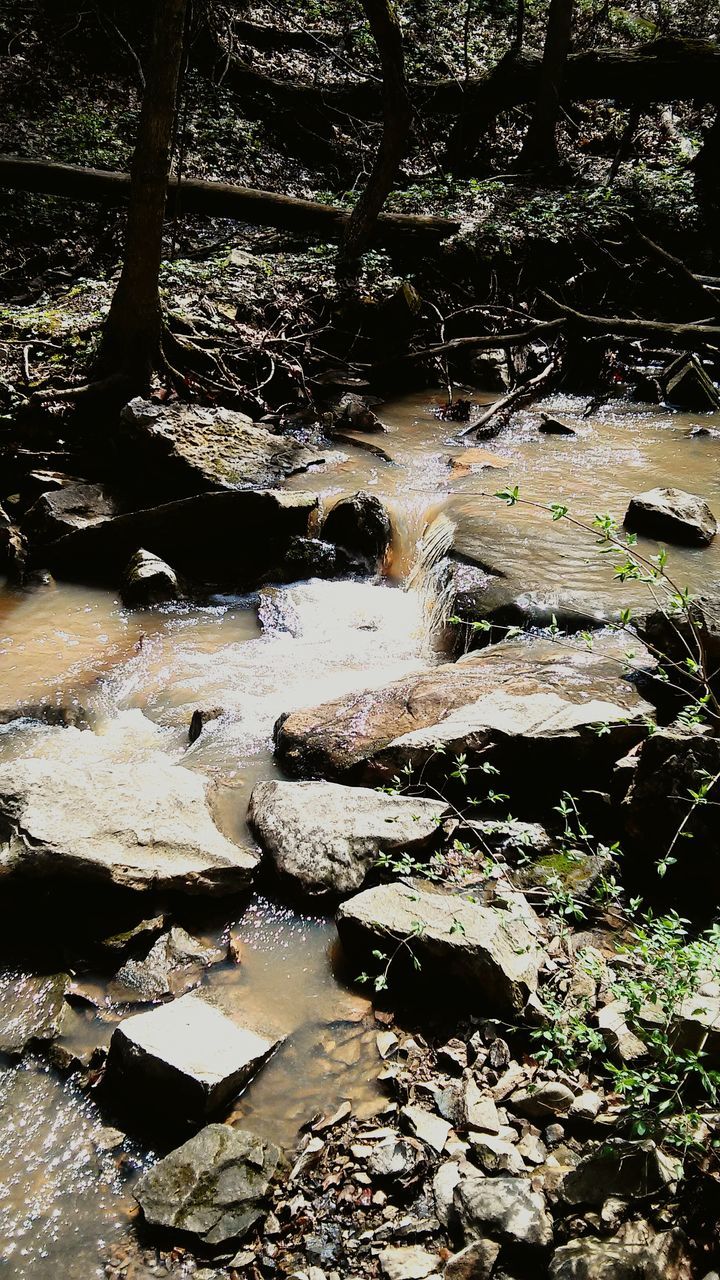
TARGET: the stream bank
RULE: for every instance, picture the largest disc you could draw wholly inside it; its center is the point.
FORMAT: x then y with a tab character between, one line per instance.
137	677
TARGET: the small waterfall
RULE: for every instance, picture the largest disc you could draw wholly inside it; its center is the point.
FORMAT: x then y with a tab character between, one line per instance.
430	577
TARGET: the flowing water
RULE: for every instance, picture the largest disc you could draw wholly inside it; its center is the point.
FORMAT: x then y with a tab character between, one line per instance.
138	678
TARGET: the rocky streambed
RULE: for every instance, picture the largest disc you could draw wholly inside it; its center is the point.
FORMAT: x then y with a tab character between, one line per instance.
301	896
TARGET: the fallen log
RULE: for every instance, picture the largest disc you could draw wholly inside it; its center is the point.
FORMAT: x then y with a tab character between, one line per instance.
542	329
688	337
501	409
216	200
661	71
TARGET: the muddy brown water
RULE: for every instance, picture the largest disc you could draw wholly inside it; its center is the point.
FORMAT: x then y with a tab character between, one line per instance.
63	1201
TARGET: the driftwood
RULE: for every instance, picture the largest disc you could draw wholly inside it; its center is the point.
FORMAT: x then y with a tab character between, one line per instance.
542	329
688	337
216	200
500	409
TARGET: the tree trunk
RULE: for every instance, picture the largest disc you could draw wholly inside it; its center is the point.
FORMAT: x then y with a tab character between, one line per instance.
397	116
131	342
706	166
539	150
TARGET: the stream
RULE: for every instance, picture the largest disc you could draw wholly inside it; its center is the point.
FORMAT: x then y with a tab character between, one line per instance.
65	1199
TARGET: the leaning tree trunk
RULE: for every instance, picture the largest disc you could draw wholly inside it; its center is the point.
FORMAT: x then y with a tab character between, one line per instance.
539	150
132	338
397	116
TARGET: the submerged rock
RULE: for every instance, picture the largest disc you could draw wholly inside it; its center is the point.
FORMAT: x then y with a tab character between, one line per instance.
174	964
182	1061
327	838
32	1009
672	515
504	603
354	412
192	448
215	1186
231	538
138	825
539	704
550	426
148	580
482	954
361	525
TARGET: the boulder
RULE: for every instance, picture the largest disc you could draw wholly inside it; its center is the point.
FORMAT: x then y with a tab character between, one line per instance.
504	602
142	825
538	1101
183	1061
479	954
354	412
187	449
148	580
505	1209
214	1186
361	525
65	511
174	964
315	558
622	1168
676	635
230	539
539	704
326	838
32	1010
673	516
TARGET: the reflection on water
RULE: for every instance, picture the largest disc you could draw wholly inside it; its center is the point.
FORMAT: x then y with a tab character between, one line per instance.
61	1196
142	675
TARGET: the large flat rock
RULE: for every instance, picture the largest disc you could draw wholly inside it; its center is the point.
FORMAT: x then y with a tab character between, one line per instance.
213	1186
182	1061
139	825
32	1009
326	838
230	538
484	955
539	702
192	448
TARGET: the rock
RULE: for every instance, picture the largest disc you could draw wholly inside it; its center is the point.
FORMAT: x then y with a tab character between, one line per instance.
537	704
61	714
148	580
505	1209
696	1028
505	602
182	1061
399	1161
672	634
354	413
495	1155
620	1168
550	1098
474	1262
673	516
228	539
64	511
190	449
13	549
327	838
361	525
670	764
479	1110
577	872
174	963
473	459
215	1186
453	1056
315	558
532	1149
32	1010
118	946
586	1107
490	369
143	825
604	1260
512	839
408	1262
554	427
426	1127
444	1183
484	953
618	1036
